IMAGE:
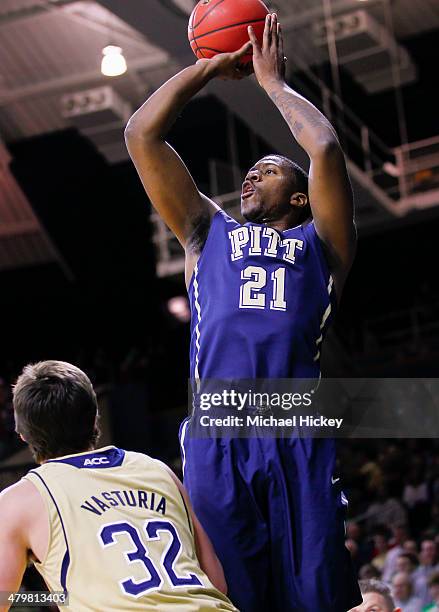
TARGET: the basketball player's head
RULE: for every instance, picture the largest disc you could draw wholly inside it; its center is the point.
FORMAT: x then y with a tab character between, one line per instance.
274	189
55	409
376	597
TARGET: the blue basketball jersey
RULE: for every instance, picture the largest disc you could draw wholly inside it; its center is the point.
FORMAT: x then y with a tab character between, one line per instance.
261	302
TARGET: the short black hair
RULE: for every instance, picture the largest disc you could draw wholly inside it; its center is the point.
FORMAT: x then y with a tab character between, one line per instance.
55	409
376	586
301	177
301	180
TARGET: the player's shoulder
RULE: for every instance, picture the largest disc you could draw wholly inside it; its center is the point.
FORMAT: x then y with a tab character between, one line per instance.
20	502
159	467
165	469
222	218
308	228
155	463
132	457
18	492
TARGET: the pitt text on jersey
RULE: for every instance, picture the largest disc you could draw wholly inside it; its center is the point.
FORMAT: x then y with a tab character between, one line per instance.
261	240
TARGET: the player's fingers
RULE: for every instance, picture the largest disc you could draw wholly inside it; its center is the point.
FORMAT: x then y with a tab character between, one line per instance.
274	32
254	41
252	35
242	51
267	33
281	41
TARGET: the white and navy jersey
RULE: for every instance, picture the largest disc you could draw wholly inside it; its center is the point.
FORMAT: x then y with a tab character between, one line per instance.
261	302
120	536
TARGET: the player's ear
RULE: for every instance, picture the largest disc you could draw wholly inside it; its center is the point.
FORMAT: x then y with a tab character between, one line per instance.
299	199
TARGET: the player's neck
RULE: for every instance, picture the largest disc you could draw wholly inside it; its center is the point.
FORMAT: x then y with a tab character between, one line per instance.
283	224
90	449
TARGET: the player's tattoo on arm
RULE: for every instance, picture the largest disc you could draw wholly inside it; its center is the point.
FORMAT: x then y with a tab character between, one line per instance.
297	128
306	122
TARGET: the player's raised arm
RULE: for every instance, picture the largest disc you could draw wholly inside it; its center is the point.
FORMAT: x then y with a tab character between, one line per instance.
166	179
330	192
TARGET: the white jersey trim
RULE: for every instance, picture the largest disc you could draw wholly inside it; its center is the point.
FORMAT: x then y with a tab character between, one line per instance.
324	318
182	438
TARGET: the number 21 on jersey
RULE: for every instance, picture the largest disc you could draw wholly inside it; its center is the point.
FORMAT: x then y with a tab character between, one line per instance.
251	294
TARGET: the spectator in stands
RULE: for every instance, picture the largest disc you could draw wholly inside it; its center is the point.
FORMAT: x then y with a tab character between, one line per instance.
363	552
369	572
402	590
407	563
416	498
381	546
400	535
433	584
410	546
434	517
385	510
372	474
376	597
352	547
427	566
416	490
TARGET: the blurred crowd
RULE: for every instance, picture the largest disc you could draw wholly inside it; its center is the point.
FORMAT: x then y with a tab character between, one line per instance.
393	532
8	438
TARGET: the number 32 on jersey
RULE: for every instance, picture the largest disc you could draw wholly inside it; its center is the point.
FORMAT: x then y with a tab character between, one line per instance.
155	573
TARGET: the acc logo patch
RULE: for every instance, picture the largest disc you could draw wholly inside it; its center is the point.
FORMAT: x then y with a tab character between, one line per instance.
95	461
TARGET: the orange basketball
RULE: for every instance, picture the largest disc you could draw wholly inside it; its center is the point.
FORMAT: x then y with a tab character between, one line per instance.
220	26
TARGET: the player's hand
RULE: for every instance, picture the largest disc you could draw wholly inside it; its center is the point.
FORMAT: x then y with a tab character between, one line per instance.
268	60
229	65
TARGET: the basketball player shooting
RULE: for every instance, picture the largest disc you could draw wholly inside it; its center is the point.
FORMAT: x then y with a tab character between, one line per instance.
106	528
262	296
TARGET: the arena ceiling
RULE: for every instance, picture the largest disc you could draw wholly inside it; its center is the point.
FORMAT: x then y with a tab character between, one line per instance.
50	49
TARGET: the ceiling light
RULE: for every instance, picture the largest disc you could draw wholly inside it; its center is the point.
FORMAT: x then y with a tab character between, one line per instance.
113	62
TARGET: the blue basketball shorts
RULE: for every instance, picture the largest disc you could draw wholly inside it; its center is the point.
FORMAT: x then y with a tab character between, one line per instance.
275	514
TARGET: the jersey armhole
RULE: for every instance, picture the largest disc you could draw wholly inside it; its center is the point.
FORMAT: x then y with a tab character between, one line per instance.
318	245
180	494
33	481
219	213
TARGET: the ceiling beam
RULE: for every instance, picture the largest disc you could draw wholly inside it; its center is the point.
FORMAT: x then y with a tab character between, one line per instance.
31	11
15	205
81	79
310	15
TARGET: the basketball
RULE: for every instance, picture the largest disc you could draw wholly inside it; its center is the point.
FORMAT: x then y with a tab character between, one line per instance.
220	26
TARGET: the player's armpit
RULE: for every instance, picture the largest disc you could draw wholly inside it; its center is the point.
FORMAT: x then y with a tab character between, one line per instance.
13	546
169	185
331	200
